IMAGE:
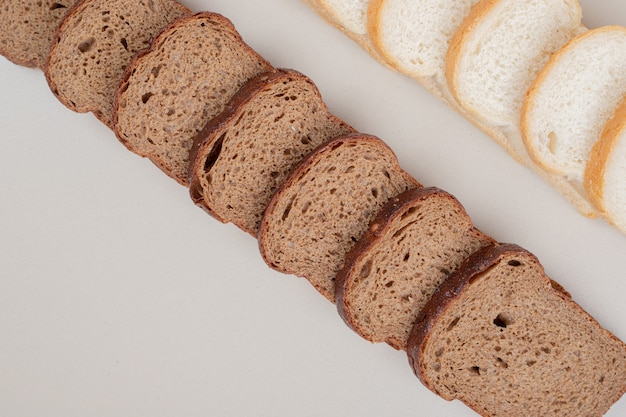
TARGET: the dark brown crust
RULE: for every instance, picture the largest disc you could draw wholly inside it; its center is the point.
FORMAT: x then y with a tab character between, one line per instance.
205	141
378	228
457	284
446	294
123	85
77	8
302	168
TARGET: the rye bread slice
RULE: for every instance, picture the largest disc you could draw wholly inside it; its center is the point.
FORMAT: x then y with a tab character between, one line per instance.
500	336
28	28
416	241
326	204
191	71
242	155
95	43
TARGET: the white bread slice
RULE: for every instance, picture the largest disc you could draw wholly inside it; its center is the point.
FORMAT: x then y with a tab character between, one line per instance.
605	174
572	99
413	36
506	340
500	48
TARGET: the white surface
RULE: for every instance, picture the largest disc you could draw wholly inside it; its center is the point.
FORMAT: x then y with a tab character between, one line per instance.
118	297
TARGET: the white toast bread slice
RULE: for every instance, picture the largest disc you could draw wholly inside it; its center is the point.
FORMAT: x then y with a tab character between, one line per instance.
413	36
170	91
605	173
28	28
94	44
242	155
326	204
415	242
506	340
500	48
573	98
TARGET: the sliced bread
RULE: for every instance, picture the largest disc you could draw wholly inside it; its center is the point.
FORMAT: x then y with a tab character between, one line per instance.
572	99
28	28
191	71
417	239
242	155
326	204
500	48
413	36
500	336
95	43
605	173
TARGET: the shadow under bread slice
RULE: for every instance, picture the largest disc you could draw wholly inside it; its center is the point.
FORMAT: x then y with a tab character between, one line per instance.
242	155
417	240
191	71
326	204
503	338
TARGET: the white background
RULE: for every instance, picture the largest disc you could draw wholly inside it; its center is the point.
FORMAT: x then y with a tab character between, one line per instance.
119	297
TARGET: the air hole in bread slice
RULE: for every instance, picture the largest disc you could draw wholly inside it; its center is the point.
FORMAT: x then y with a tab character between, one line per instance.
214	154
503	320
86	45
55	6
146	97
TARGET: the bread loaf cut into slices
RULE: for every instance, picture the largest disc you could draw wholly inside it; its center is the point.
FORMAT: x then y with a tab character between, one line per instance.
326	204
192	69
413	36
605	173
28	28
500	48
417	239
95	43
500	336
242	155
572	99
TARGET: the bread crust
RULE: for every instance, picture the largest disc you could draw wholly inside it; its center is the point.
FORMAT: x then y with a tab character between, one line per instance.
469	24
600	154
207	142
204	142
301	169
457	284
73	16
535	88
139	57
378	229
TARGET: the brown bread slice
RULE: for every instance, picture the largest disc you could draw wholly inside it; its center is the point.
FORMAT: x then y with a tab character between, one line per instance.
326	204
242	155
501	337
95	43
28	28
417	239
191	71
